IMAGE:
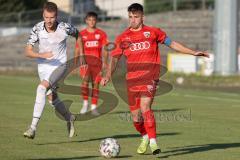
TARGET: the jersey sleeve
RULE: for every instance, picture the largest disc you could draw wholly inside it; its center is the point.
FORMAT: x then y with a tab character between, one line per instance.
117	51
104	39
33	38
161	36
71	30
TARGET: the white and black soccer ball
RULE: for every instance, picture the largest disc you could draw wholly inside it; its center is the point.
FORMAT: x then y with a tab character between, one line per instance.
109	148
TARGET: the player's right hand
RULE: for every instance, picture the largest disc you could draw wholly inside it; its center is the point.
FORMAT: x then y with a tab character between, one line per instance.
104	81
82	60
46	55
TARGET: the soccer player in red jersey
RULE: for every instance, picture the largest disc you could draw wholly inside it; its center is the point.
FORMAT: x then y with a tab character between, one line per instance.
94	39
139	44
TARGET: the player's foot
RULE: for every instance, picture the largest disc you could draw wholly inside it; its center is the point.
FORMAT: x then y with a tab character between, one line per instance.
30	133
155	149
84	109
143	146
94	110
70	126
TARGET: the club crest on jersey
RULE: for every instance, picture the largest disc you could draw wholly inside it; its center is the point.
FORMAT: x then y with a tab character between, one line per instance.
146	34
97	36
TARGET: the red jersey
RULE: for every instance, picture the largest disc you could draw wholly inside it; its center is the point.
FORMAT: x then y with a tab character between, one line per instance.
141	51
93	42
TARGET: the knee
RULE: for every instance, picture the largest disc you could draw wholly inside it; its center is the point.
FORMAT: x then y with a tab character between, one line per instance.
145	107
45	83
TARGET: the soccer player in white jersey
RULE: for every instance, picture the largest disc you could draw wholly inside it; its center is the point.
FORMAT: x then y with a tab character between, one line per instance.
51	36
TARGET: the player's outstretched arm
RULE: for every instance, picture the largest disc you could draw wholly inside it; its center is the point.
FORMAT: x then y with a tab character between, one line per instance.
182	49
112	67
31	54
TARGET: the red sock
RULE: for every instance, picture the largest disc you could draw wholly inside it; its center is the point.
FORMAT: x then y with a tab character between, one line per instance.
85	92
95	95
150	123
140	127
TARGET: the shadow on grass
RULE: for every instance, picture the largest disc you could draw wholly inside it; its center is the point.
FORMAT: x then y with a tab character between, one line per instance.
101	138
76	158
68	158
198	149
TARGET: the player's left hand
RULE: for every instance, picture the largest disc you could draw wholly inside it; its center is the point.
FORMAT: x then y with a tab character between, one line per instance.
104	81
201	54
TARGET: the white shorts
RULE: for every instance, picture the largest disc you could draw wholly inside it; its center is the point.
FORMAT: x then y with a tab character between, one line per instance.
51	73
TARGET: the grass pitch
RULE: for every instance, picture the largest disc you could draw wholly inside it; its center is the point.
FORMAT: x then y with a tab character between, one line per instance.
191	124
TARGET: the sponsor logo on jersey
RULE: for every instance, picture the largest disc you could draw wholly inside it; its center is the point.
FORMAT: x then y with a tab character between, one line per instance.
146	34
139	46
91	44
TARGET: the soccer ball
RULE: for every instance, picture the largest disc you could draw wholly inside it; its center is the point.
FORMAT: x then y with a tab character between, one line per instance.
109	148
180	80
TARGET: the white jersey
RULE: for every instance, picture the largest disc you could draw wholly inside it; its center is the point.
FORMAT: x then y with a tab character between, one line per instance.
54	42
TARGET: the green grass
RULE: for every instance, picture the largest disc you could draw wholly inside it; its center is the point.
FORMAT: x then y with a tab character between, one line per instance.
191	124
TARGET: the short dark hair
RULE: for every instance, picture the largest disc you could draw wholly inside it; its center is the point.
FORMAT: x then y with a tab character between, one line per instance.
50	7
91	14
135	7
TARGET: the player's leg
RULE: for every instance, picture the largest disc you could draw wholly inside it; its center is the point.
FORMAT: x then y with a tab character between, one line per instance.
139	126
84	73
38	108
60	107
149	122
85	93
95	96
95	71
134	106
54	100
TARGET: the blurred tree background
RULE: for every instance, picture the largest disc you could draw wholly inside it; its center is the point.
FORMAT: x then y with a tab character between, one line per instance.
11	10
7	6
155	6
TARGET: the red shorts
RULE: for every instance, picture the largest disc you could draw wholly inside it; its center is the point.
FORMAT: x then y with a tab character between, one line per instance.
136	92
93	69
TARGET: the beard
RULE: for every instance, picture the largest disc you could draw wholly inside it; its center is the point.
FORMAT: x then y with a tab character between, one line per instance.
135	26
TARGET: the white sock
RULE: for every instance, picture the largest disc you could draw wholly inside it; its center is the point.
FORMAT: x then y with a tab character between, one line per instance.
153	141
94	110
60	108
39	106
93	106
34	123
145	137
85	102
84	107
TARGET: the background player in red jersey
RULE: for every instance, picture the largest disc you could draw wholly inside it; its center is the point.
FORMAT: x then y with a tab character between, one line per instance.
139	44
94	40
